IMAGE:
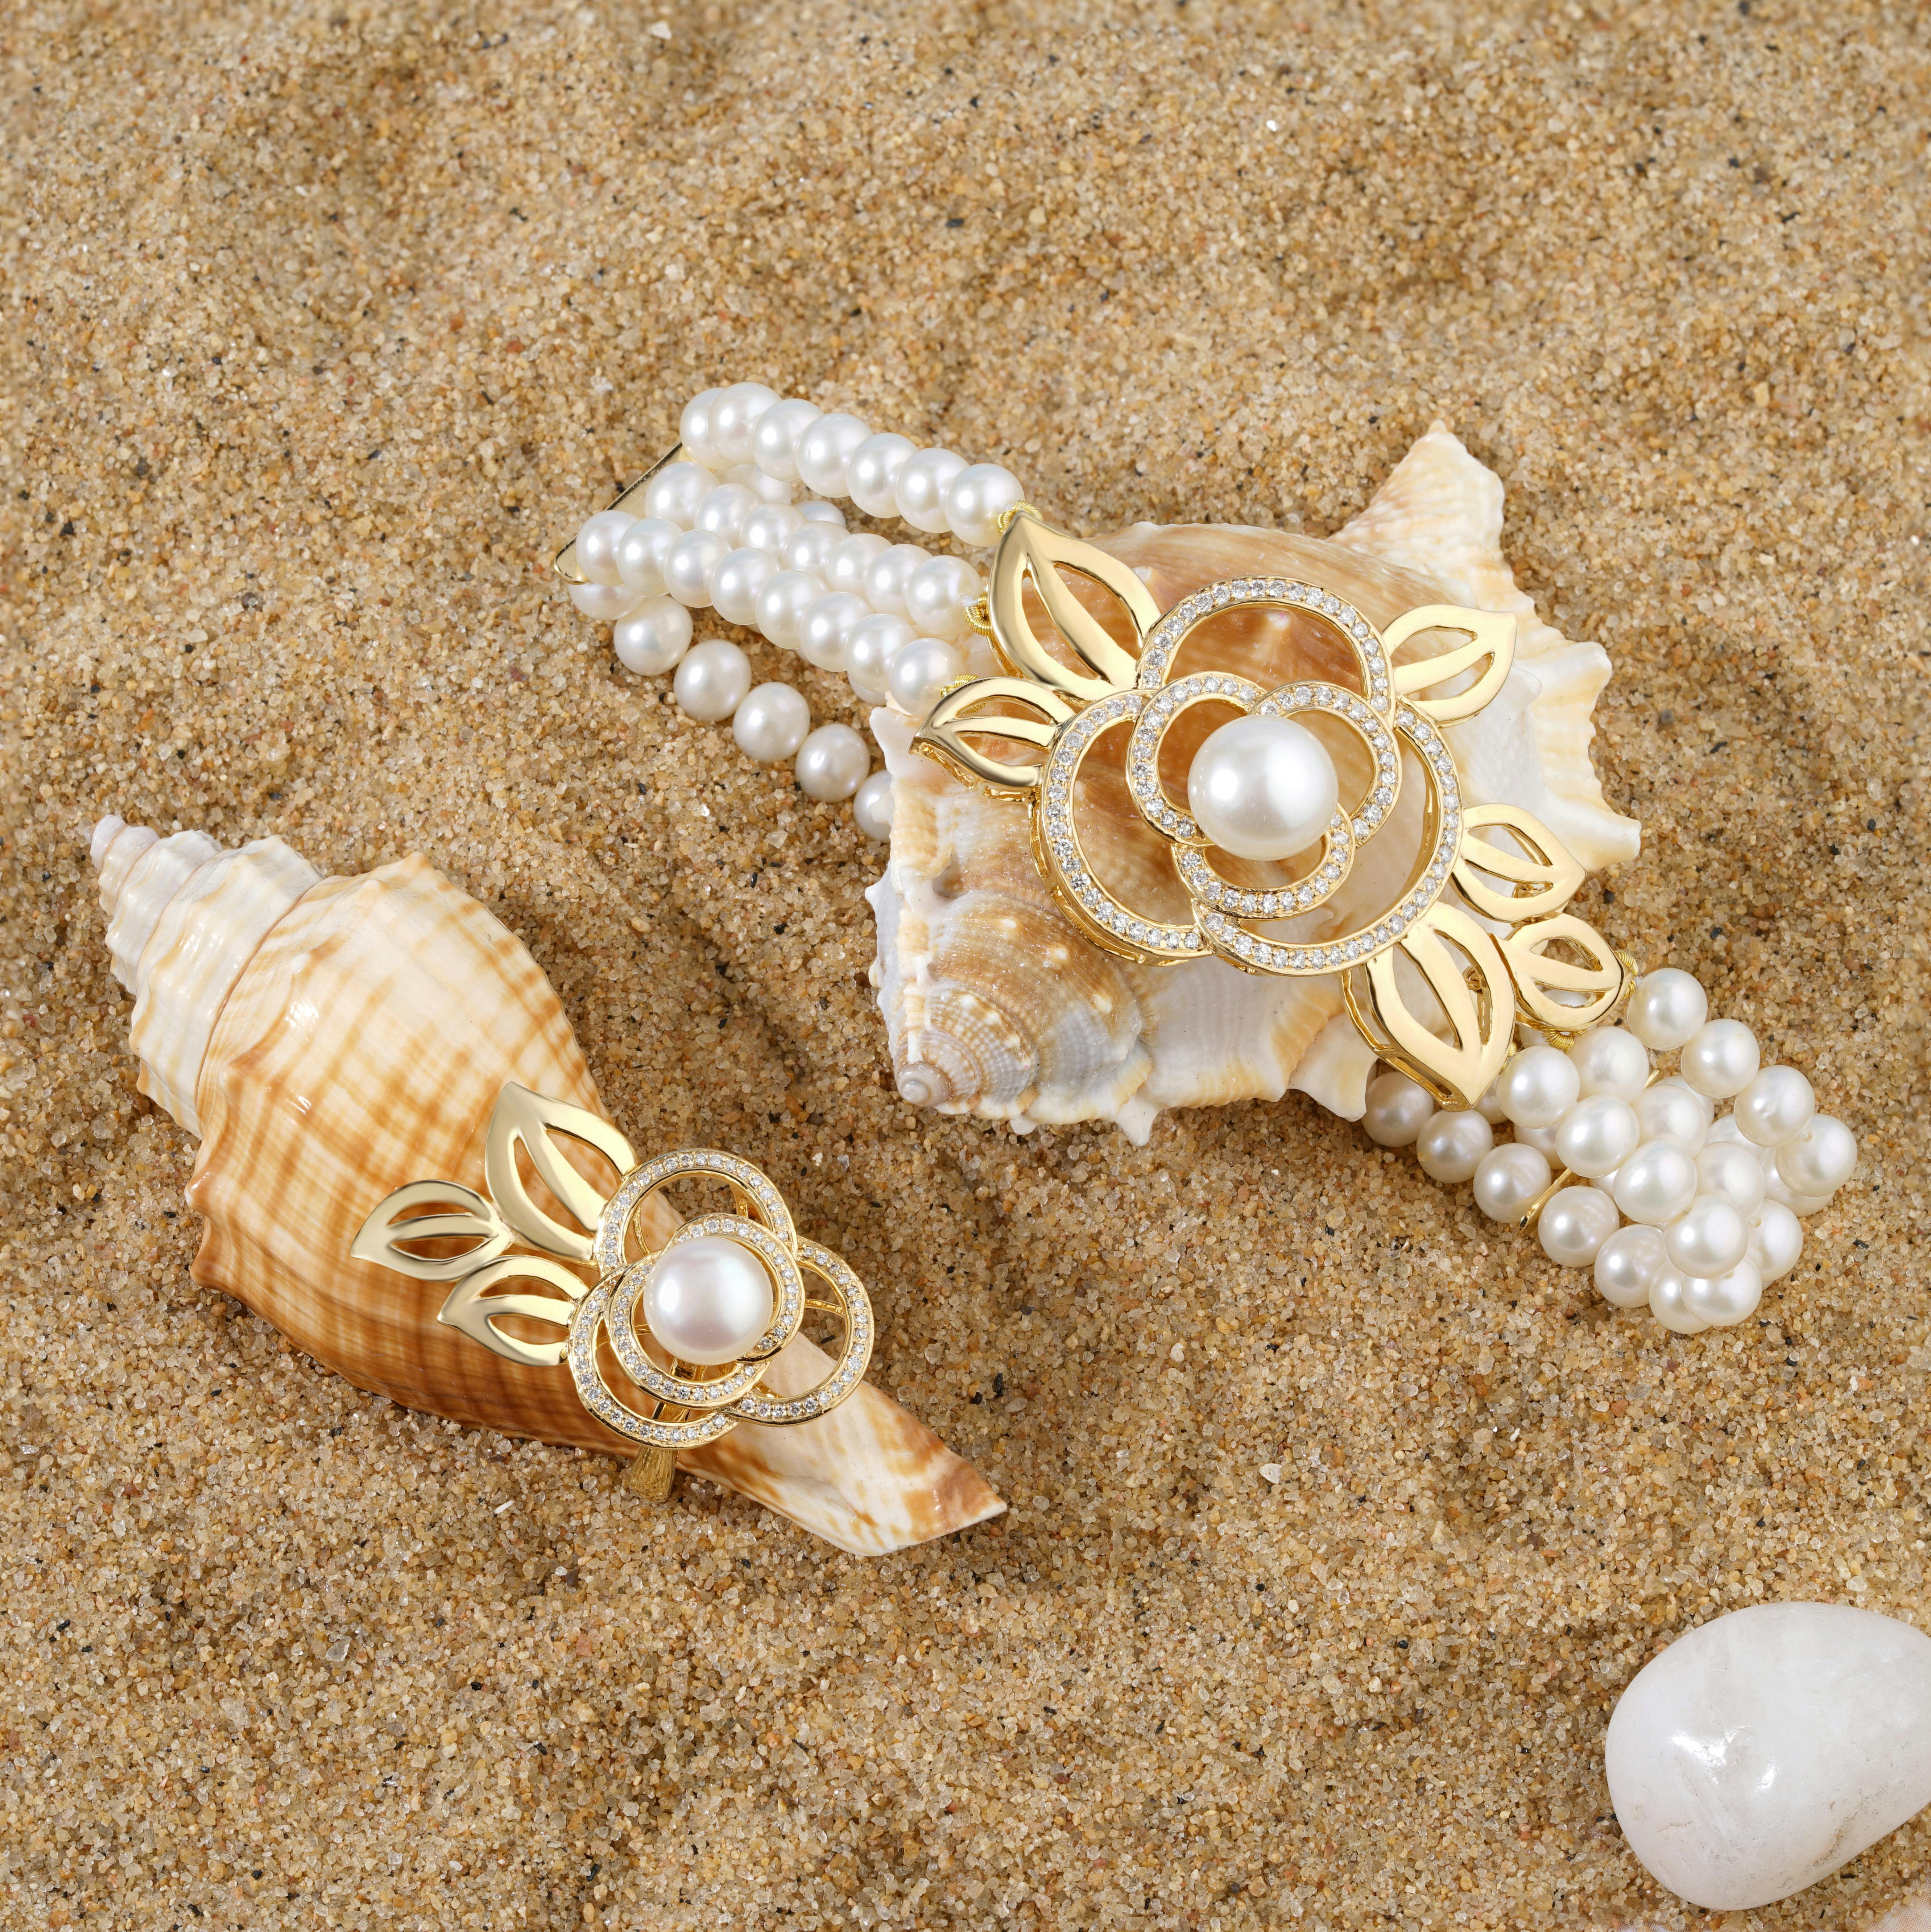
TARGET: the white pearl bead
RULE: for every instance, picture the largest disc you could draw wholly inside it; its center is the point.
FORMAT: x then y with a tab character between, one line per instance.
711	681
723	512
736	582
832	763
922	483
851	560
1489	1106
1708	1237
1821	1158
1731	1169
765	489
890	574
654	637
1776	1188
706	1301
1398	1109
1776	1241
780	429
1450	1146
675	492
694	429
1669	1302
782	605
810	547
1508	1178
604	603
938	593
688	565
815	512
1670	1111
871	806
975	497
1666	1007
1720	1058
1539	1086
597	543
1655	1183
873	643
1597	1135
1776	1107
1573	1225
1723	1301
641	551
1542	1139
872	473
918	671
1263	788
824	452
1611	1059
735	417
824	632
1627	1263
768	527
771	722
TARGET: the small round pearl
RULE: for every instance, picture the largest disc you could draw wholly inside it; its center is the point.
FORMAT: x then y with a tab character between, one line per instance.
694	429
918	671
1669	1302
1821	1158
851	560
707	1301
735	416
1627	1263
1542	1139
711	681
766	527
975	497
824	633
723	512
782	604
1263	788
872	473
654	637
641	551
1573	1225
1776	1188
675	492
1611	1059
1720	1058
889	575
814	512
597	543
604	603
1655	1183
1731	1169
736	582
1509	1177
1665	1009
1597	1135
1398	1109
1775	1107
824	452
832	763
688	565
1539	1086
765	489
780	429
922	483
938	593
810	547
1723	1301
1776	1241
871	806
1670	1111
873	643
1450	1146
771	722
1489	1106
1707	1237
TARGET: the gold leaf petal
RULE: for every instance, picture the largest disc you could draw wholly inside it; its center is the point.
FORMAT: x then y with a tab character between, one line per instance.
1548	869
1492	635
527	1118
1533	971
1481	1016
1030	548
942	737
379	1238
472	1309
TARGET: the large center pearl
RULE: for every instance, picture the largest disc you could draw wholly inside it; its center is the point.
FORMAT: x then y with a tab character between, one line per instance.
1263	788
708	1300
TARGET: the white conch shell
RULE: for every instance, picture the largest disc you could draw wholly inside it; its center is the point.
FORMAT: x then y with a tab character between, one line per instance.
331	1040
995	1003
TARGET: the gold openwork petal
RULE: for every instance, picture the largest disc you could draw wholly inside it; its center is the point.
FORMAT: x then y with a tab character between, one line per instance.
1492	637
1028	548
525	1119
474	1309
380	1237
1600	977
942	736
1543	864
1465	971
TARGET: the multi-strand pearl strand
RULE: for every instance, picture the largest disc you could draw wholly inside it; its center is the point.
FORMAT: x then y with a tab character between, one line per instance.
1711	1206
720	531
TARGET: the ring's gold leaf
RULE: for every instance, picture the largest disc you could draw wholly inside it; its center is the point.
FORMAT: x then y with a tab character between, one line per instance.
1492	635
1481	1018
378	1238
942	737
1547	867
522	1116
1030	548
472	1309
1534	972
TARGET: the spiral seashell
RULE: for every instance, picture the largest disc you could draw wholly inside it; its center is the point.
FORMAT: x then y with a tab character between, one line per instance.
996	1005
330	1040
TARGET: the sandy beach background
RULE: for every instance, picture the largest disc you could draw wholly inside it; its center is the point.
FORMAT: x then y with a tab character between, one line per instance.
324	325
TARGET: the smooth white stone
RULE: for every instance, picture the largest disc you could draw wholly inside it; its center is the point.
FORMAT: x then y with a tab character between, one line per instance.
708	1300
1263	788
1758	1753
1398	1109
